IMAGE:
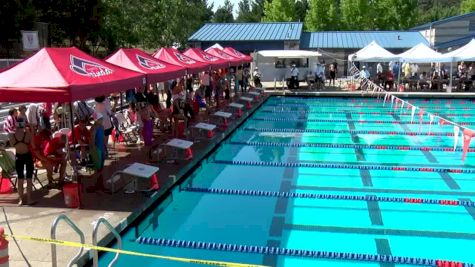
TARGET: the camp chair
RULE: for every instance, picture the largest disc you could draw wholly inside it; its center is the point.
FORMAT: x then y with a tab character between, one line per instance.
7	163
129	132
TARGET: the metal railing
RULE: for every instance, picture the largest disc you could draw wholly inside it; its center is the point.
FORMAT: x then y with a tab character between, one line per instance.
65	218
95	257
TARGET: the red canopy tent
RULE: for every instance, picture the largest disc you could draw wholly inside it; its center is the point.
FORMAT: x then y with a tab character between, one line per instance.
201	56
233	52
154	69
64	75
234	61
172	56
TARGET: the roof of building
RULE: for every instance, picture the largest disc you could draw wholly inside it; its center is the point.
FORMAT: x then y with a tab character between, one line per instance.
359	39
264	31
457	42
442	21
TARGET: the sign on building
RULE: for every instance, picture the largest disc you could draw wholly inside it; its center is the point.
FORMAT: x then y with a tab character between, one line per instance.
30	40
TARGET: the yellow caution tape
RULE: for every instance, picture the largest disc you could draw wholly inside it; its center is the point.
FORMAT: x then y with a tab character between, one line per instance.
128	252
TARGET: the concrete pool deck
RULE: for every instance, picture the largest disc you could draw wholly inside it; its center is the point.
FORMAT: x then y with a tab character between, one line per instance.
120	211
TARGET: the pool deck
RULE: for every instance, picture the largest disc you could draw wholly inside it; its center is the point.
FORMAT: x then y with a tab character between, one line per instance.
119	209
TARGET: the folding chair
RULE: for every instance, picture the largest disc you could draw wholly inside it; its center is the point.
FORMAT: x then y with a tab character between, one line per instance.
129	132
7	163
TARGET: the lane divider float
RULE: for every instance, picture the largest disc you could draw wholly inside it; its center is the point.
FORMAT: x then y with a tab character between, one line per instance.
346	121
357	113
298	252
351	146
292	130
279	194
344	166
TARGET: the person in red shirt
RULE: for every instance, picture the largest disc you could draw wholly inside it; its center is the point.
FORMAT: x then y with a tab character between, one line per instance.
39	143
56	154
81	136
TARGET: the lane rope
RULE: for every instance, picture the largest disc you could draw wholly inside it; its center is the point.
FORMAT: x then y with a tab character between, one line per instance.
346	121
279	194
128	252
357	113
351	146
298	252
289	130
344	166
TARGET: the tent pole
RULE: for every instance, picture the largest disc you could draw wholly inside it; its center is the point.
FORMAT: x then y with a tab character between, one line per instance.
449	89
78	177
398	75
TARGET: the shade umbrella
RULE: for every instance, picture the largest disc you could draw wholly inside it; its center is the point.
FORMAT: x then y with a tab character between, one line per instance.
234	61
173	56
64	75
154	69
233	52
201	56
464	53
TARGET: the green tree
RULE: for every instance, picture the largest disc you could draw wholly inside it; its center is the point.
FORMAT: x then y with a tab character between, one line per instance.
467	6
250	11
279	10
394	14
224	13
356	14
301	7
322	15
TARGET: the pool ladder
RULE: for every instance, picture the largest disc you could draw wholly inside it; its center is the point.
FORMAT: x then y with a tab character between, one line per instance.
95	258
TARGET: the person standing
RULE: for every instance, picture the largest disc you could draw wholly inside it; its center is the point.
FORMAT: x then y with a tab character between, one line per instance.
239	83
294	77
32	116
97	150
9	125
333	70
21	139
257	75
245	79
103	106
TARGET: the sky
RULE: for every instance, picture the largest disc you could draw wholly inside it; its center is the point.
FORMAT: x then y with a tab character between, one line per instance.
217	3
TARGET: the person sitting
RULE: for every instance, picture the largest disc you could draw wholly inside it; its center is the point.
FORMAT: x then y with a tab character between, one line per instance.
389	80
80	135
55	153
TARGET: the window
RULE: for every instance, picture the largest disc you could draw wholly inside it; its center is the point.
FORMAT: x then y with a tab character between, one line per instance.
281	63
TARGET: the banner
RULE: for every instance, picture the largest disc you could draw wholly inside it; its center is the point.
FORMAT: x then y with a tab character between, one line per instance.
431	120
412	113
30	40
467	137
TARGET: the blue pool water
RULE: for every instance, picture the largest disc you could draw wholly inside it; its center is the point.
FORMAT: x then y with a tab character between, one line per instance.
369	227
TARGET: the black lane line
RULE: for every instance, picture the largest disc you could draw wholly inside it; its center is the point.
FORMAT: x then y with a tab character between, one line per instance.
449	181
383	248
271	260
374	213
429	156
382	190
404	126
378	231
277	226
366	178
470	210
282	203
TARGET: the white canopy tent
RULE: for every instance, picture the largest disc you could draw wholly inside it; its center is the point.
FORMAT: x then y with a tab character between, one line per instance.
421	53
373	52
216	45
464	53
288	53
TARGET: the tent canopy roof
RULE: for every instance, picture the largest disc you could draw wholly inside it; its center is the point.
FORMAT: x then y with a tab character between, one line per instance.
464	53
233	52
288	53
372	53
201	56
234	61
137	60
421	53
173	56
64	75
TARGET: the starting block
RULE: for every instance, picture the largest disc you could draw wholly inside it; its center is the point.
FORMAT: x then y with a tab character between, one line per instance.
236	109
203	130
255	95
177	149
221	118
260	90
247	101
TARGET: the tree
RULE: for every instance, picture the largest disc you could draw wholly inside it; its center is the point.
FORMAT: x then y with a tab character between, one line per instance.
322	15
250	11
301	7
394	14
356	14
224	13
279	10
467	6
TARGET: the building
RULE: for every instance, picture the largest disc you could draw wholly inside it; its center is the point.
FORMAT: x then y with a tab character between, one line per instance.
451	32
335	46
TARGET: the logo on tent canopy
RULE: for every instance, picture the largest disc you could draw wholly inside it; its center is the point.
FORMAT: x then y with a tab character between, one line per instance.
149	64
224	55
208	57
184	59
88	68
239	54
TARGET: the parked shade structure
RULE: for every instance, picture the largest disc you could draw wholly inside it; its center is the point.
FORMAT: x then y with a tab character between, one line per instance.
201	56
234	61
173	56
233	52
154	69
64	75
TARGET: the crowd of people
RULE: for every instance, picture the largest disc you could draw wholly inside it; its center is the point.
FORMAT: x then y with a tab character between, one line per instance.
41	139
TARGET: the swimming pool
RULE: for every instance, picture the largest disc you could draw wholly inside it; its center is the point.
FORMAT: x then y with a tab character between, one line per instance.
319	177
